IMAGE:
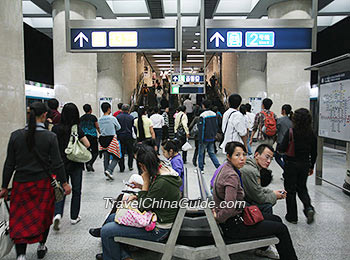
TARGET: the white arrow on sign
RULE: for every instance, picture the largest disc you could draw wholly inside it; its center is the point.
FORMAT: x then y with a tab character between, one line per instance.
217	36
175	78
81	37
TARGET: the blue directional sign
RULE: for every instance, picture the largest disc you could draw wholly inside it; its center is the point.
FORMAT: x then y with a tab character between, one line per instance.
233	39
187	78
129	39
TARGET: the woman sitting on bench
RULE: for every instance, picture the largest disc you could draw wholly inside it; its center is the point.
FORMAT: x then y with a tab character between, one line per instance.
228	188
160	182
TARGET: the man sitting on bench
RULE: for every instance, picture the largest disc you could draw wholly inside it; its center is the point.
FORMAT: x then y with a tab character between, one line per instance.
228	190
263	197
160	182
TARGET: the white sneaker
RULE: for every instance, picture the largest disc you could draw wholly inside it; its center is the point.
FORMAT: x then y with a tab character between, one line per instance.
270	252
109	175
56	222
21	257
75	221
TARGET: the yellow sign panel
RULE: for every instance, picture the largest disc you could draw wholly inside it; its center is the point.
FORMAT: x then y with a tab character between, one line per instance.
123	39
99	39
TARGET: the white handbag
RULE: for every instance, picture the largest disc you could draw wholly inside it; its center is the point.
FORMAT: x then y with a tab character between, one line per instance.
76	150
6	242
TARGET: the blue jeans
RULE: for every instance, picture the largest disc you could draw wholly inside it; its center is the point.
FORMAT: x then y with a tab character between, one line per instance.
115	251
279	159
109	166
249	147
210	148
75	174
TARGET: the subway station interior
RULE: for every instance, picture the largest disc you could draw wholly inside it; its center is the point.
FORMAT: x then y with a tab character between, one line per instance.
293	52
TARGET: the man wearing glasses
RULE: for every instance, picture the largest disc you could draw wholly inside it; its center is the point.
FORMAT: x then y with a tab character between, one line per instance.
255	193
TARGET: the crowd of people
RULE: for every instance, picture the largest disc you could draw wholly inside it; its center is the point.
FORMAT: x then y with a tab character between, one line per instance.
142	134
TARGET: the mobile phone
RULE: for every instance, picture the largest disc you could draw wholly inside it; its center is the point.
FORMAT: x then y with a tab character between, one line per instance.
282	192
128	183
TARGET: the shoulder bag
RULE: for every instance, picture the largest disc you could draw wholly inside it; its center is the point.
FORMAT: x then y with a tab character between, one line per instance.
6	242
56	185
180	132
76	150
290	152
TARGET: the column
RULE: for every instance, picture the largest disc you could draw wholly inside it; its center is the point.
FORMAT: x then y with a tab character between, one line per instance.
229	72
110	77
129	75
251	75
12	105
75	74
287	81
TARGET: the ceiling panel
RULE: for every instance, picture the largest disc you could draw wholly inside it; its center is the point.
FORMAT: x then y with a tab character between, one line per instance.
45	22
236	6
128	6
31	8
328	20
187	6
337	6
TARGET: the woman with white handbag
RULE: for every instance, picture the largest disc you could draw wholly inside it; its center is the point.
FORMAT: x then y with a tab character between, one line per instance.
73	146
32	197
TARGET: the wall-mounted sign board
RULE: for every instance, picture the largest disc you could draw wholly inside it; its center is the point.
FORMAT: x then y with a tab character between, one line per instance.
259	35
187	84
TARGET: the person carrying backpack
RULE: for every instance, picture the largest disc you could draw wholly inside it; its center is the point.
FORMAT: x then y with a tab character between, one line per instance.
265	124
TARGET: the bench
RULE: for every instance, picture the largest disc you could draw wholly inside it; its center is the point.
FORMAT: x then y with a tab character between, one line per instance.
196	223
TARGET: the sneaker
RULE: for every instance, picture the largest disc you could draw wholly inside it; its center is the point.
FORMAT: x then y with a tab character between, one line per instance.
41	251
21	257
310	216
99	257
75	221
56	222
270	252
89	168
291	221
109	175
131	169
95	232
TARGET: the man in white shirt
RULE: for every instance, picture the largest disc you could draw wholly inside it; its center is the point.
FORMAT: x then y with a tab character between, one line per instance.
233	123
158	123
189	109
250	117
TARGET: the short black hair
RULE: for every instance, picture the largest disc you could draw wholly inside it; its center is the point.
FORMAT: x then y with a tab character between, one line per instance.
87	108
120	105
147	156
171	145
182	108
243	109
156	110
248	107
261	148
53	103
267	103
105	106
231	147
207	103
125	107
234	100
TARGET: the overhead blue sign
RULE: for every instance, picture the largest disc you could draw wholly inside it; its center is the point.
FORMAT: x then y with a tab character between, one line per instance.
229	39
123	39
187	78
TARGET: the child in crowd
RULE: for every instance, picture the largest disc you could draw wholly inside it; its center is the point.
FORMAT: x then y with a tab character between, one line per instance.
170	150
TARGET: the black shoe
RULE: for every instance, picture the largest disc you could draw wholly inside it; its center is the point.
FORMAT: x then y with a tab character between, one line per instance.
131	169
99	256
92	169
291	221
194	163
89	168
41	252
310	213
95	232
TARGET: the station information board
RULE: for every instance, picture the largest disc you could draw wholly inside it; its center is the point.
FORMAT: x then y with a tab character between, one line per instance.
187	84
122	38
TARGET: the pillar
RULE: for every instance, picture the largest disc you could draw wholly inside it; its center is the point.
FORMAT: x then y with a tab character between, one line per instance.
251	75
129	75
229	72
75	74
287	81
12	105
110	77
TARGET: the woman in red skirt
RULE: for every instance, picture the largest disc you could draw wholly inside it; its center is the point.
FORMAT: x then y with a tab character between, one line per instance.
32	198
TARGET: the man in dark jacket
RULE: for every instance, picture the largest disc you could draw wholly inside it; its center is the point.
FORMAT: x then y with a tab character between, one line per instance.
207	129
126	122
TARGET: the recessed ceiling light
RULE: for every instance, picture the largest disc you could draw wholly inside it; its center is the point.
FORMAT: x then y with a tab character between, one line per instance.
162	60
161	56
195	56
197	34
193	47
188	61
195	41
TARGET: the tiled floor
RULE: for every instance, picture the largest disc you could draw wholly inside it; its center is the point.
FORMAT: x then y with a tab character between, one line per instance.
326	239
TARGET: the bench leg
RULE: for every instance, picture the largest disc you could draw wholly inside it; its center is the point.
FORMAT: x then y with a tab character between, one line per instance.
170	245
219	241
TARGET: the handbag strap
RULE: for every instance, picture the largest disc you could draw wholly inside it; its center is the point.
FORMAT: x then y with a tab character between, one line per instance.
7	207
228	120
43	164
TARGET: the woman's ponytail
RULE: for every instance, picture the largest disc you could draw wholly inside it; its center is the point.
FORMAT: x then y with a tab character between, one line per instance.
36	109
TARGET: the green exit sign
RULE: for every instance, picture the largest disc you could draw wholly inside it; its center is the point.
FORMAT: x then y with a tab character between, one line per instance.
175	89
